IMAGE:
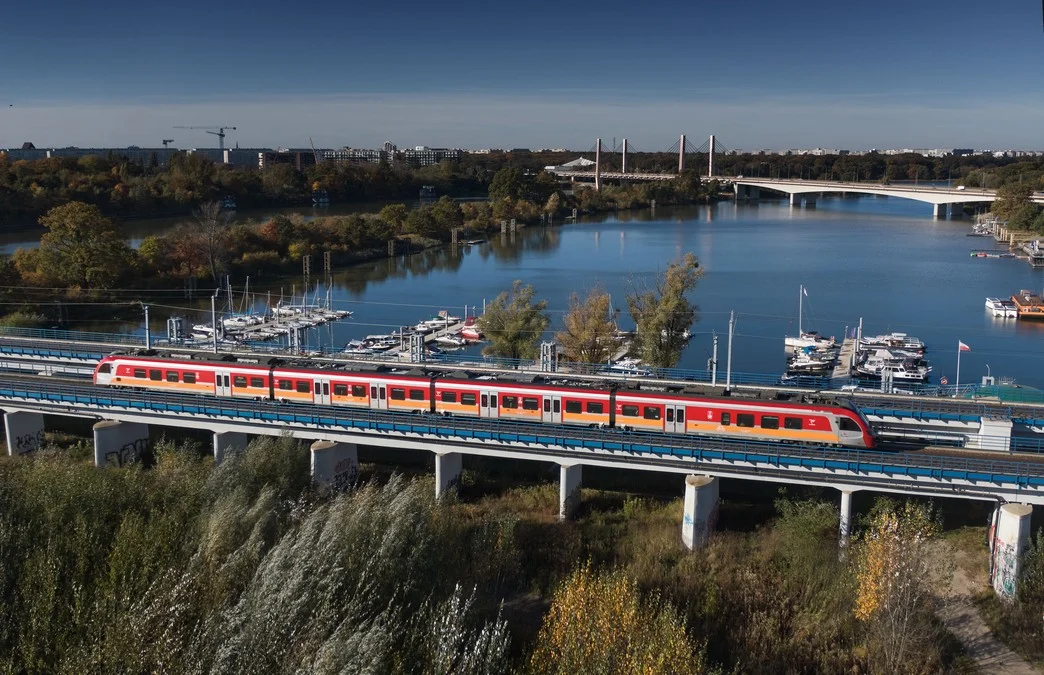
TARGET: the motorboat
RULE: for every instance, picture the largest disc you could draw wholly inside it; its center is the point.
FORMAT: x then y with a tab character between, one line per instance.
809	339
897	340
423	328
451	341
883	362
1005	309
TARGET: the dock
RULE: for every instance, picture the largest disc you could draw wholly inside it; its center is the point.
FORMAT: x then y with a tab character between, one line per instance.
843	367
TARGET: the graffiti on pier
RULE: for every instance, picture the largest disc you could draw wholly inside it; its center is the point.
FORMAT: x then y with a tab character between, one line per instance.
25	443
127	454
345	474
1005	569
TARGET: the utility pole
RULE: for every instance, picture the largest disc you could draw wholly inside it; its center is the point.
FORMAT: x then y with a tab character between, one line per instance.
148	335
714	361
598	164
728	367
213	318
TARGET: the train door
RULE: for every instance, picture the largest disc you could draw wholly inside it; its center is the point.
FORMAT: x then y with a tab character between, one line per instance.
552	410
488	405
322	391
379	396
674	419
223	383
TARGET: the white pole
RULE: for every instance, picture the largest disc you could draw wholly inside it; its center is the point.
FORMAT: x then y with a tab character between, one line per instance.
213	318
801	307
728	368
957	385
714	362
148	334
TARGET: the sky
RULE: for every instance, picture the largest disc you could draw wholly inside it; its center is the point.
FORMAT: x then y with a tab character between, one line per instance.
471	74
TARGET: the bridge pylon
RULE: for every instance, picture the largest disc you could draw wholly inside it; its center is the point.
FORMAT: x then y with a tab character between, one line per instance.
681	154
710	158
598	164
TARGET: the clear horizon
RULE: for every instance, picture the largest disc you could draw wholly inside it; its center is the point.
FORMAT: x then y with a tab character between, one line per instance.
814	74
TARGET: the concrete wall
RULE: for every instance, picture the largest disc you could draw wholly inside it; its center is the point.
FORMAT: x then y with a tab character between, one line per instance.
24	432
119	443
1009	540
228	442
335	465
570	476
701	510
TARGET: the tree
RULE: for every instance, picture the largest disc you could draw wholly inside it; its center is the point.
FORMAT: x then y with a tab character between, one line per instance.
82	248
663	315
601	624
212	227
394	215
509	182
1011	197
590	331
513	323
447	214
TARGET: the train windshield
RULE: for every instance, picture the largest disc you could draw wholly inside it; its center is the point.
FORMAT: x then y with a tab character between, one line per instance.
103	369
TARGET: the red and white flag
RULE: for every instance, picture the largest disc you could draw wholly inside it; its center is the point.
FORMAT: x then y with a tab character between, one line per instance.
962	347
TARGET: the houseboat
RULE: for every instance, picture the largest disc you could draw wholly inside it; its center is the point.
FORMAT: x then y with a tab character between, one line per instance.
1029	305
1004	309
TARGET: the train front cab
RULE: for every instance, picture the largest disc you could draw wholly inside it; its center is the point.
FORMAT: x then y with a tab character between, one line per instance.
103	372
854	431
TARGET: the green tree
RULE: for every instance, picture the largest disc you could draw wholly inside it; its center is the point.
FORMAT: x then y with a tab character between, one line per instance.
394	215
421	223
1011	197
663	315
447	214
590	331
82	248
509	182
513	323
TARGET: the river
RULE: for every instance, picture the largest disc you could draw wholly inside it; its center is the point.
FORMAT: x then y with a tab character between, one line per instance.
883	260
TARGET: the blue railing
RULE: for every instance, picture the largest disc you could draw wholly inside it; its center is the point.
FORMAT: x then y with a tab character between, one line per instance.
654	447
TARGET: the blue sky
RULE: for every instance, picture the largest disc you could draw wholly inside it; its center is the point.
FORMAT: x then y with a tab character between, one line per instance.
921	73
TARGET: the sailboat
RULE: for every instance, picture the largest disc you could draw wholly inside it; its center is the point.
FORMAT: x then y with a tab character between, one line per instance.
806	338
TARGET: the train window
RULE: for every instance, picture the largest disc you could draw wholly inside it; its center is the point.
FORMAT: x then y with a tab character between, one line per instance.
670	414
257	382
382	393
492	400
547	405
769	422
595	408
239	381
188	378
326	388
651	413
318	388
681	414
726	419
139	372
467	399
530	403
103	368
341	389
629	411
286	385
573	407
485	401
558	406
509	401
358	390
398	394
744	420
847	424
449	397
791	422
373	392
172	376
303	387
156	375
416	394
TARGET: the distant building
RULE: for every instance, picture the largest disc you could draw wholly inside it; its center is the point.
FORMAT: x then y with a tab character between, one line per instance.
357	155
299	159
425	156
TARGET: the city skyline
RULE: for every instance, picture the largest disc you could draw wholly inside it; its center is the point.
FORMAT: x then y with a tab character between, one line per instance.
757	76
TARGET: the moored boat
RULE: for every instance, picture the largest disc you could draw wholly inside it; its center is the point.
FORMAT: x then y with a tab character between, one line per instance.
1002	308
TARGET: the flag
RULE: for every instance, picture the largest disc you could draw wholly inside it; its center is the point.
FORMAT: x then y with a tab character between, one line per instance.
805	291
962	347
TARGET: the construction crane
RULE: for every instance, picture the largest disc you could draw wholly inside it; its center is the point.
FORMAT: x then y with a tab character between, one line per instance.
220	133
315	154
167	141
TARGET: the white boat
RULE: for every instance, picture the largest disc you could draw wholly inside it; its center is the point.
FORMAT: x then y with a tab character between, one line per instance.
883	361
897	340
423	328
806	338
451	341
203	329
1005	309
471	333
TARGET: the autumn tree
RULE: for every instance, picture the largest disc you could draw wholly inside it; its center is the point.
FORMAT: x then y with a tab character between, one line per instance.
394	215
513	323
1011	199
896	568
212	229
663	315
600	623
82	248
590	330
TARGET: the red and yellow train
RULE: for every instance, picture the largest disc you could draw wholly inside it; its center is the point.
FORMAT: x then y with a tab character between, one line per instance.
477	395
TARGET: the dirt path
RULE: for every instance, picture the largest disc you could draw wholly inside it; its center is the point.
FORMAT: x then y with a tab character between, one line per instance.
961	618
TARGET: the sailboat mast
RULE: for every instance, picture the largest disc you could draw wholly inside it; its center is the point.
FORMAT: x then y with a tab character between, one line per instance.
801	293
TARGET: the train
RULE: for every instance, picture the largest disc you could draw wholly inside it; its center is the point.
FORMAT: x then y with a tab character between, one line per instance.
545	398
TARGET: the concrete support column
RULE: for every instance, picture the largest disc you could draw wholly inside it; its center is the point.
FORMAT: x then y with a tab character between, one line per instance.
119	443
701	510
795	199
940	211
25	432
598	164
448	466
227	443
335	465
994	434
845	525
1009	539
570	476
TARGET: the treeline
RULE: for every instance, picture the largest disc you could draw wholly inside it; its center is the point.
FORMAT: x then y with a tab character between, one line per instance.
248	567
1013	206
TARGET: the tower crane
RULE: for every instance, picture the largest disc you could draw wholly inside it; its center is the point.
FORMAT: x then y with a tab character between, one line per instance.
167	141
220	133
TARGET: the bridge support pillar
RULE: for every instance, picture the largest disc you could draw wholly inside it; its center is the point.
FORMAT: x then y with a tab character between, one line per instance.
119	443
227	443
570	476
940	211
994	434
335	465
701	510
845	525
795	199
448	466
25	431
810	200
1009	539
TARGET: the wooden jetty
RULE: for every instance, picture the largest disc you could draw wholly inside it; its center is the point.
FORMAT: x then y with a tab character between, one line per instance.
843	367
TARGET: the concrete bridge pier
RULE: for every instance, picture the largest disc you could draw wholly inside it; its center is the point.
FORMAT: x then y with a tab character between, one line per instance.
1009	539
940	211
994	434
24	431
448	466
227	443
795	199
335	465
570	477
119	443
701	510
845	524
